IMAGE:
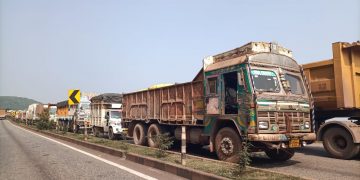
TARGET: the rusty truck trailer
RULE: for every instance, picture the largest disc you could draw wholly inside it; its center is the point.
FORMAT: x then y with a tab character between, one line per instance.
242	94
177	104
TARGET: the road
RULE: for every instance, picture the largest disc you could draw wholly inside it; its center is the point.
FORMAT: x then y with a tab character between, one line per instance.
26	155
312	162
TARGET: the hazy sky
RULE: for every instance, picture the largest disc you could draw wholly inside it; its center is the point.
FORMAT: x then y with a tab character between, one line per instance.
48	47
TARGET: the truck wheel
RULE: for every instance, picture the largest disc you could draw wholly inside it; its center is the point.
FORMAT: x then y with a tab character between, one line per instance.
339	143
228	145
111	134
280	155
154	130
139	134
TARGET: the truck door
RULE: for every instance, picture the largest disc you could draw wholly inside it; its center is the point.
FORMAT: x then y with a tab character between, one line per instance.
212	97
230	93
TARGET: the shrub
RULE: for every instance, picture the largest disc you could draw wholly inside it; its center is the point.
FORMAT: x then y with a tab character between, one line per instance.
163	142
244	156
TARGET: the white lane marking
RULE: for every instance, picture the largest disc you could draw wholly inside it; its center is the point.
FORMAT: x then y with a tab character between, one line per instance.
93	156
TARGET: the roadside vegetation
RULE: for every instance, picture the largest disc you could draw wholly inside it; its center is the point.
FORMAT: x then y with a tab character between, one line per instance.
241	170
163	143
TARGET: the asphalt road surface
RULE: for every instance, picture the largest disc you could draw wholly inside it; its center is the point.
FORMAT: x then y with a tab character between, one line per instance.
25	155
312	162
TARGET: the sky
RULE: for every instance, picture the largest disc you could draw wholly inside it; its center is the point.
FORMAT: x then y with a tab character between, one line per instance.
48	47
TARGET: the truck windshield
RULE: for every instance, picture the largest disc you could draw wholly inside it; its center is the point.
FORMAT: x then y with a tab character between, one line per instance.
85	106
295	84
115	114
265	81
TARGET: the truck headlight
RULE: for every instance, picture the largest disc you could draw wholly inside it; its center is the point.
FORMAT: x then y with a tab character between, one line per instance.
307	125
263	125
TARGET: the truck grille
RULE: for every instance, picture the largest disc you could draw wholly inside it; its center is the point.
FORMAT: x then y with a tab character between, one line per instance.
286	121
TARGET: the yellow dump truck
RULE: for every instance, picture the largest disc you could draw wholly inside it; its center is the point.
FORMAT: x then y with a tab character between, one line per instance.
335	87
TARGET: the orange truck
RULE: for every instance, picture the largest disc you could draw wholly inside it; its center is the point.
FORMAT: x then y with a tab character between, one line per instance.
335	87
2	114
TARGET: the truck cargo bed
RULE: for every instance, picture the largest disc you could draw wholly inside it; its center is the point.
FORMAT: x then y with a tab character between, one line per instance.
335	83
176	104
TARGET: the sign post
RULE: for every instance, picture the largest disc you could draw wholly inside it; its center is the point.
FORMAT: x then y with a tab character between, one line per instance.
183	145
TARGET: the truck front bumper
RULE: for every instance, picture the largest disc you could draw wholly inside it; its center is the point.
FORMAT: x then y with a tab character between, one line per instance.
282	137
117	129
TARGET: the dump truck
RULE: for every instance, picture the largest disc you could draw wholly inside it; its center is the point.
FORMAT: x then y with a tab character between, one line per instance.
335	87
255	93
2	114
105	115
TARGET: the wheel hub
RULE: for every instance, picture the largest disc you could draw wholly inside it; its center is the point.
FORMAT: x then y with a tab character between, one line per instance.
227	146
340	142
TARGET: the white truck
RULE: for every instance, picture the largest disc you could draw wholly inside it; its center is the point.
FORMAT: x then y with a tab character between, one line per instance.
33	112
105	115
82	112
52	112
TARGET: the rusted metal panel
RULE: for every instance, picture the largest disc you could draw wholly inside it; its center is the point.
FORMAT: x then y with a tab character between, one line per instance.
335	83
176	104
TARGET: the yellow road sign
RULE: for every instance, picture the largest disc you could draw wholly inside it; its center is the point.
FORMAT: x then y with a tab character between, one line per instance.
74	96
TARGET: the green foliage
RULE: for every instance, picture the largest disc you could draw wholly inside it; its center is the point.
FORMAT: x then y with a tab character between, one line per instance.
163	142
43	123
64	130
244	156
15	103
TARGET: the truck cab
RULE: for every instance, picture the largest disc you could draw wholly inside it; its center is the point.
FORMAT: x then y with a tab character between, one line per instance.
258	90
105	115
113	119
52	113
82	114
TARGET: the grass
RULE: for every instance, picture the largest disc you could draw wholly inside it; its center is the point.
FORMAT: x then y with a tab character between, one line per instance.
220	168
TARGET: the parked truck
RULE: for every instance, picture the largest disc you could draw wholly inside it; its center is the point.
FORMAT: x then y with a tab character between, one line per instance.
105	115
33	113
74	117
255	93
64	115
52	112
335	86
81	119
2	114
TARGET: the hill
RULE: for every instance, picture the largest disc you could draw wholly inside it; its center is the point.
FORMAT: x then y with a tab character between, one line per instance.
15	103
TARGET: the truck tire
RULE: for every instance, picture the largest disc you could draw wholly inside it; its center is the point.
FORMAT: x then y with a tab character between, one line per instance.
111	134
139	134
280	155
339	143
154	130
228	145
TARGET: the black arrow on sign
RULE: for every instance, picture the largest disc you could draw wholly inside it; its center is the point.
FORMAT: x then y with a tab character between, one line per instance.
72	96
